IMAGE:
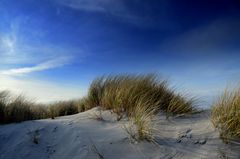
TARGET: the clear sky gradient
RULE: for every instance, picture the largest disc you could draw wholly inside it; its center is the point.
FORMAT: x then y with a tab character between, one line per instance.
52	49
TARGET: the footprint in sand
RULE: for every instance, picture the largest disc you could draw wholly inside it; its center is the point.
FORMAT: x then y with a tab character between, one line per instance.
50	150
187	136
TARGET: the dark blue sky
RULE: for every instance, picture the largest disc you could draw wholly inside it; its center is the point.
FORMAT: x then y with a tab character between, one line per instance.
56	47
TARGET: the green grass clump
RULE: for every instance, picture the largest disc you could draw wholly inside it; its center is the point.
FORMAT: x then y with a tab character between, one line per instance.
226	114
121	93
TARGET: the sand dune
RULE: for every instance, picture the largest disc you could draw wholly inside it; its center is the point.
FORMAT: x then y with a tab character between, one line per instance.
81	137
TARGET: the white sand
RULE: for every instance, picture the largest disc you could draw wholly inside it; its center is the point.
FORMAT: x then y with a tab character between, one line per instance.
73	137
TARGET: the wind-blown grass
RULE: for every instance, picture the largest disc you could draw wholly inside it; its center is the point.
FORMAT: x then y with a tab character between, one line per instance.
226	114
142	124
179	105
140	97
63	108
121	93
17	109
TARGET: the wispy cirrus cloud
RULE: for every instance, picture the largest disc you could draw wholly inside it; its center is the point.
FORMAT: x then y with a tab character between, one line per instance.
19	45
15	49
8	41
39	67
23	53
111	6
115	8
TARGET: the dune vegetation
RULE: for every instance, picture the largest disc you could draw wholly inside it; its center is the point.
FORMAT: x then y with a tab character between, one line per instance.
139	97
17	109
136	96
226	114
122	93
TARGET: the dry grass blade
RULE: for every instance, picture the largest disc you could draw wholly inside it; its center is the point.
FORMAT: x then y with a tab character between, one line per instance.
18	109
121	93
226	114
142	124
179	105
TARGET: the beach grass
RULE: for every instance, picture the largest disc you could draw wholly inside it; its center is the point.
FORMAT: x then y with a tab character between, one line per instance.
121	94
19	108
225	114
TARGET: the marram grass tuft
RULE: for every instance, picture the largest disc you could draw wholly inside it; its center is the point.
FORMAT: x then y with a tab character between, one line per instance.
121	93
225	114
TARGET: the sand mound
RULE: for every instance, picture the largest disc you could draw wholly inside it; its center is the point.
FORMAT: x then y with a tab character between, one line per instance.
81	136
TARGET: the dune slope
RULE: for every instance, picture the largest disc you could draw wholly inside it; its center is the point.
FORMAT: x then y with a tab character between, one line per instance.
82	137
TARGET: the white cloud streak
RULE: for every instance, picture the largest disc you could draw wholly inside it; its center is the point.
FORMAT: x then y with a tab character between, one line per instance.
40	67
94	5
21	45
17	49
115	8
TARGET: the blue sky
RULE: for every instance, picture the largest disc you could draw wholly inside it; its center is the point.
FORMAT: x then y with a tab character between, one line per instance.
52	49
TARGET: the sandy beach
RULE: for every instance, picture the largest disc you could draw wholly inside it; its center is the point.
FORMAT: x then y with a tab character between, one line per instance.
82	136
